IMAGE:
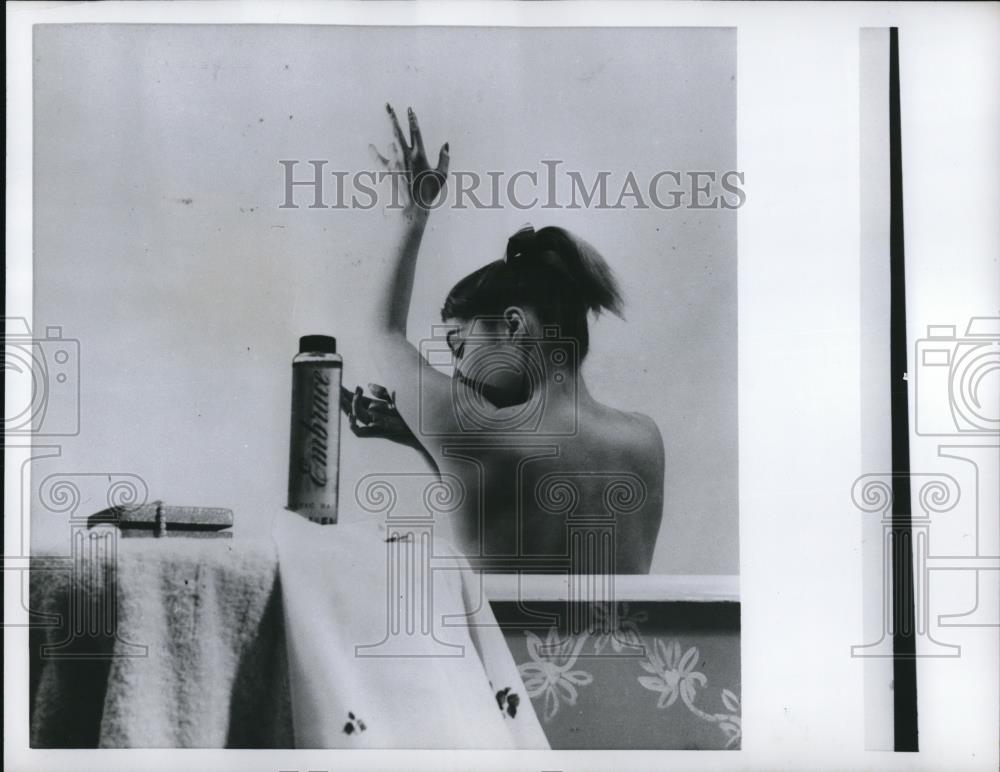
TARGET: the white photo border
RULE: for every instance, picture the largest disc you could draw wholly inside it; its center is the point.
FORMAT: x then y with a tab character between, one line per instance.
801	563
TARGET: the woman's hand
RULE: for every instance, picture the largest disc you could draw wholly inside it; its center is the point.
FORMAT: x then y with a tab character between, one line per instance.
423	184
376	417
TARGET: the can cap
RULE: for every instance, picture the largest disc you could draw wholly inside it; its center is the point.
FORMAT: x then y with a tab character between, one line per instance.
325	344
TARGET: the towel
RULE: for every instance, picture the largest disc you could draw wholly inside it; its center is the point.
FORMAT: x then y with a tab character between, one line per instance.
161	643
391	643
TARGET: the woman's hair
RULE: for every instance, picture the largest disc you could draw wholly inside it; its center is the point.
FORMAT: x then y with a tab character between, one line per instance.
559	276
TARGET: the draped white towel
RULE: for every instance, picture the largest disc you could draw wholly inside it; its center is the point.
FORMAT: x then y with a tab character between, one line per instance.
423	665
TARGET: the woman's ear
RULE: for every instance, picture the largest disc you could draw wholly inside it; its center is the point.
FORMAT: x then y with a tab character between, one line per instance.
515	322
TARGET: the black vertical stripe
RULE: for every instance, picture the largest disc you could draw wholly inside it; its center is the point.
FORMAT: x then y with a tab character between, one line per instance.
904	634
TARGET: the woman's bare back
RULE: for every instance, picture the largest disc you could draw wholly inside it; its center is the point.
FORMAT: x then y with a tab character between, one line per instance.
590	501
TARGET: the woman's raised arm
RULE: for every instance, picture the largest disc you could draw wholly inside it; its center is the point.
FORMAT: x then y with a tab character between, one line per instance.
423	395
421	187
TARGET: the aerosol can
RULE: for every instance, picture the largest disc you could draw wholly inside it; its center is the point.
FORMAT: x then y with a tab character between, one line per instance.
314	451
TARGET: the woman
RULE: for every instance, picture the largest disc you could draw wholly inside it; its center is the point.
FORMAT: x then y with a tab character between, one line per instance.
551	477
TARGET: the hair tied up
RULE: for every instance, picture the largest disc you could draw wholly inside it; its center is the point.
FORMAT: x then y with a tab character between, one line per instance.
596	287
521	244
559	276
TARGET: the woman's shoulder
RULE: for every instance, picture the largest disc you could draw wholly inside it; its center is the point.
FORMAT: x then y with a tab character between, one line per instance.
644	428
647	424
634	430
649	435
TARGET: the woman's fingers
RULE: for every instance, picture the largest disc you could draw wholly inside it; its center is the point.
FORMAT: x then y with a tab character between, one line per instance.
355	406
444	159
425	183
380	391
379	157
358	407
400	138
397	158
385	428
346	400
416	141
379	409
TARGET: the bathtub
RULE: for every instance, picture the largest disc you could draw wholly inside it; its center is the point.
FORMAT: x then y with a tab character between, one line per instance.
654	665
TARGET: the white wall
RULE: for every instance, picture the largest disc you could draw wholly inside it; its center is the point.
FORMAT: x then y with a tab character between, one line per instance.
159	243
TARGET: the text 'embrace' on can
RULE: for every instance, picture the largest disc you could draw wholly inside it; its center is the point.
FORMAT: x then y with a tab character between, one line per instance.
314	450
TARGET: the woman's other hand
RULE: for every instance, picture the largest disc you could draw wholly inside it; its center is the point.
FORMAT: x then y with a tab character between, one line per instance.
423	183
377	417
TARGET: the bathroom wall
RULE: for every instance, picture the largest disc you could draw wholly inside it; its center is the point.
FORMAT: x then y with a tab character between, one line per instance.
160	247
